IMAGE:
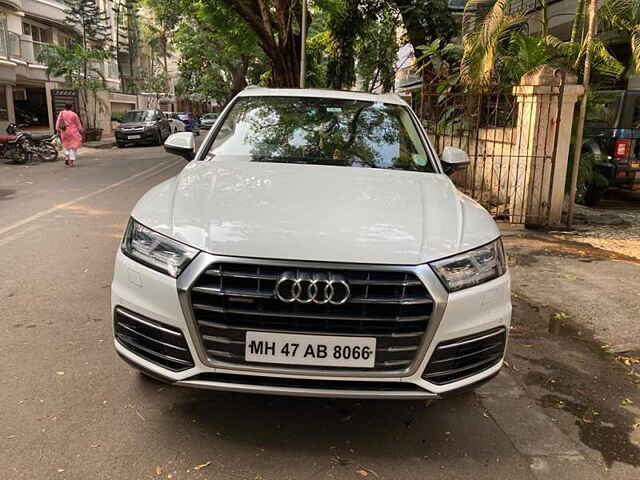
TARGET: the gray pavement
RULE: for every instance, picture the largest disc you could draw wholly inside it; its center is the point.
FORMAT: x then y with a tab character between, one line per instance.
70	409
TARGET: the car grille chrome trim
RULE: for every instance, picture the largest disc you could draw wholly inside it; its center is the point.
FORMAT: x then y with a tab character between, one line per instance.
211	311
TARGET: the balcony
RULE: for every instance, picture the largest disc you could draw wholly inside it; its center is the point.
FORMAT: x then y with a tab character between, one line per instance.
18	47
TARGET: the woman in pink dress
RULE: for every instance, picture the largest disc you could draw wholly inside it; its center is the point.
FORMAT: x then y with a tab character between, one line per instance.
69	127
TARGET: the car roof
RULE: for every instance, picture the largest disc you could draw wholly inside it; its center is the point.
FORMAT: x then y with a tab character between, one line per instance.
322	93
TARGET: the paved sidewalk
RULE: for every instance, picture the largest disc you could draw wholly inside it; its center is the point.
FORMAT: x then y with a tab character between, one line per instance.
614	229
106	142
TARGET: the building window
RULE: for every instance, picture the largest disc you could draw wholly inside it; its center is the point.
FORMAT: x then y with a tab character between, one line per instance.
3	34
4	112
38	34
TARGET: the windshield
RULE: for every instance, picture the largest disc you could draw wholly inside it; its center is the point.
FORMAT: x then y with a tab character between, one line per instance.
321	131
210	116
138	116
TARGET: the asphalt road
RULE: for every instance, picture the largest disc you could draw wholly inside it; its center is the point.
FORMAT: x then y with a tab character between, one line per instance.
70	409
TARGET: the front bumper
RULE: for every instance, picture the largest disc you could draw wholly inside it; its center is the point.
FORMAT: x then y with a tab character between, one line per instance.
460	315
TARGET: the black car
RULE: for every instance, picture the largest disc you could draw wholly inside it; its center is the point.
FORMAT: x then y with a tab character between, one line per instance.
142	127
612	136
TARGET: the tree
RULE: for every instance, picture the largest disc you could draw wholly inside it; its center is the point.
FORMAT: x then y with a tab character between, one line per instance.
623	17
166	15
276	24
82	62
80	67
127	42
497	48
86	18
218	52
426	20
377	51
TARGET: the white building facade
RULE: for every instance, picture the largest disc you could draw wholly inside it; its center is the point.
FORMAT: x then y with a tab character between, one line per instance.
26	26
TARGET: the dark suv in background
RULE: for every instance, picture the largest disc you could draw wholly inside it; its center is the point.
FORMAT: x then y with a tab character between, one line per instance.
612	137
142	127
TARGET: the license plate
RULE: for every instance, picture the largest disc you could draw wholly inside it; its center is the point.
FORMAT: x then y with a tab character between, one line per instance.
134	137
316	350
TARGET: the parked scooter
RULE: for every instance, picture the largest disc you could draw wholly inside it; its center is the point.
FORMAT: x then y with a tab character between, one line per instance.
15	145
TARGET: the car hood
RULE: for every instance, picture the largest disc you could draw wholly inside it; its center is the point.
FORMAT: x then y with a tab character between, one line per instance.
320	213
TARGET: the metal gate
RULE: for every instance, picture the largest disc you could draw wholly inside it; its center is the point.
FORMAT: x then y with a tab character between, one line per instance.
511	138
62	96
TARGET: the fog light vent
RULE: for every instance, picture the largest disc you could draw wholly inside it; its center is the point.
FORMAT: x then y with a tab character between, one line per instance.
154	341
456	359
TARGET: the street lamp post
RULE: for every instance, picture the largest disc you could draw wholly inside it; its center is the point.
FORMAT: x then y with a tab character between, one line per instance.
303	40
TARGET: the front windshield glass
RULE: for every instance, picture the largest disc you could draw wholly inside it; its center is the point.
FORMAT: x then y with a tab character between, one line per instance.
210	116
321	131
138	116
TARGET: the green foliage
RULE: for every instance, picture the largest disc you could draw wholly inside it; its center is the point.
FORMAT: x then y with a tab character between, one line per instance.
218	52
85	17
377	51
499	50
81	68
623	17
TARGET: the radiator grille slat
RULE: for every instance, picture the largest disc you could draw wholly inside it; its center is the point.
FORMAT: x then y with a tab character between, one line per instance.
229	299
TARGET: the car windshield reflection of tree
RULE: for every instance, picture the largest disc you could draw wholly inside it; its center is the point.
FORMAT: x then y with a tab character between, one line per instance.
322	132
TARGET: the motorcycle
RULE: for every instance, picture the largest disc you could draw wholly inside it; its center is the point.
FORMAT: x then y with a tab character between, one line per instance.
15	145
23	147
42	146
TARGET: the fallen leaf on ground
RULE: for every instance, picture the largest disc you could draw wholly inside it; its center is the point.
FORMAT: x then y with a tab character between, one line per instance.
60	372
560	316
627	401
570	276
201	466
365	472
158	470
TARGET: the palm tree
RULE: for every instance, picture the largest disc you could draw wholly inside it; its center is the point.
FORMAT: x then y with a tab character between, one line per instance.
623	16
486	24
497	46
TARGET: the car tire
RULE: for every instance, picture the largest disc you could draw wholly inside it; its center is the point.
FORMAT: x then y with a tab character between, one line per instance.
120	145
593	195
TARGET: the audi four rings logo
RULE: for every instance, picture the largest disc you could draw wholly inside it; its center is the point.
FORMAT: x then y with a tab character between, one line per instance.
319	288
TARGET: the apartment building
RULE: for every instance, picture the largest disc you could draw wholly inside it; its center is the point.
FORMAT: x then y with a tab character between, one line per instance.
25	88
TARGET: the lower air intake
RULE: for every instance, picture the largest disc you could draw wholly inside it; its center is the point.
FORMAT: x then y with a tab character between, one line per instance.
154	341
457	359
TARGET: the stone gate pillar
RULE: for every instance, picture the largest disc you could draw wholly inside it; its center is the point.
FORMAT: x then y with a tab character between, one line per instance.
543	132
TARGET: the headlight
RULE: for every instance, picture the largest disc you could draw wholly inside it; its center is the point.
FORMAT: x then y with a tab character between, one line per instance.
155	250
472	268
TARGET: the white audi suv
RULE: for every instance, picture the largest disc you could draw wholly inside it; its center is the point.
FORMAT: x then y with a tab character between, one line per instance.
314	246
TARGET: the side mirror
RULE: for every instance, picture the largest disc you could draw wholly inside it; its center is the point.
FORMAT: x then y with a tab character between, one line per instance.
181	143
454	159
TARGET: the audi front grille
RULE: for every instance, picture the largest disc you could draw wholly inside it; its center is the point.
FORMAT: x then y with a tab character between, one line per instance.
229	299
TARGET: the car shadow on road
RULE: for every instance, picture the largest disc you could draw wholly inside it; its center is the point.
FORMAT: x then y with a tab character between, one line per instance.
450	429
